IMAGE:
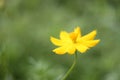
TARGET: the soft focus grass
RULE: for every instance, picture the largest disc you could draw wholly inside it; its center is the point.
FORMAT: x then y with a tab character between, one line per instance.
25	48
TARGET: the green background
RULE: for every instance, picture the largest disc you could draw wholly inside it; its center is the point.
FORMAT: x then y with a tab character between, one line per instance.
26	50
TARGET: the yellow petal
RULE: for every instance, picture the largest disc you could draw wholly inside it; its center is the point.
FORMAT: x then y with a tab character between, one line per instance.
71	49
90	36
81	48
60	50
77	31
55	41
65	38
91	43
76	34
64	35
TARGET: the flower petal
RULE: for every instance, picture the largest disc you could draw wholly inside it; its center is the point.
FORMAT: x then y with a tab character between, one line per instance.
64	35
91	43
81	48
71	49
55	41
76	34
60	50
65	38
77	31
90	36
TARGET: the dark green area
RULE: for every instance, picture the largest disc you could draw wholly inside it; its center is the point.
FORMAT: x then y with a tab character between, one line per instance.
26	50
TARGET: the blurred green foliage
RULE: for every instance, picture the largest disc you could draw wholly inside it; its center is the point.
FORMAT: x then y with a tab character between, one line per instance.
25	48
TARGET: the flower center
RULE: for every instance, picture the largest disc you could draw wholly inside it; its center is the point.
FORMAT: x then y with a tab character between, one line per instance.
73	36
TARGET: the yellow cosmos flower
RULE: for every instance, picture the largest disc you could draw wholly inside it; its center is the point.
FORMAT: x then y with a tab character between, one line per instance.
70	42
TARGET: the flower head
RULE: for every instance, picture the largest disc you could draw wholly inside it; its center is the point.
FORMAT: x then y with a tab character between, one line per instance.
70	42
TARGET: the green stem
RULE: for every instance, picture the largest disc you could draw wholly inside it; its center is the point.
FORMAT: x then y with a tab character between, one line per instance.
71	68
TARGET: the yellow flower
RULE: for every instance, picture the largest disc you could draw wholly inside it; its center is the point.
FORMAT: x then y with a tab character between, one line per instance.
70	42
